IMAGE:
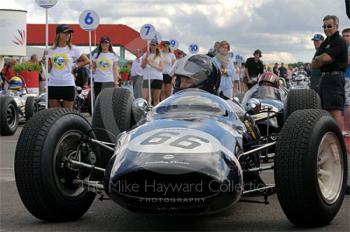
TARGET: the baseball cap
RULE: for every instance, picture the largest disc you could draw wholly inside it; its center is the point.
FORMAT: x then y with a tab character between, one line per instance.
63	28
104	39
318	37
154	42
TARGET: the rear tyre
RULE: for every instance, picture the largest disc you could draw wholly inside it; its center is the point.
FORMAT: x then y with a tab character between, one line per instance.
46	181
310	168
9	116
112	114
300	99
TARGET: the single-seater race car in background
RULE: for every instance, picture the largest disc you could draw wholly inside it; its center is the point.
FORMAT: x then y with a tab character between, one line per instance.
276	107
193	153
17	105
299	80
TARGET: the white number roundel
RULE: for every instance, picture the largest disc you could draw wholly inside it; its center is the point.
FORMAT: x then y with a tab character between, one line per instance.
193	48
147	32
89	20
174	44
46	3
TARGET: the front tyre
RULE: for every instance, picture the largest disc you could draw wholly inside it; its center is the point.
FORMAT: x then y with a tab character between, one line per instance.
9	116
310	168
46	181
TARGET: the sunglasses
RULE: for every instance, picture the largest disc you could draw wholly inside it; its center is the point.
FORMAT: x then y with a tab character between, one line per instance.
327	26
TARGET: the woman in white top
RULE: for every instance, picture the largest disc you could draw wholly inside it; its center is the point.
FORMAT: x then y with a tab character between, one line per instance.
152	64
228	73
105	66
169	60
62	57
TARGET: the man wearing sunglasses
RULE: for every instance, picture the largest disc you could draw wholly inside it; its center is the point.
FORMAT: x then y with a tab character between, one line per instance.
331	58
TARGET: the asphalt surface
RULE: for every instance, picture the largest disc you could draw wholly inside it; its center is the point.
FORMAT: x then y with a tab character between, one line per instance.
108	216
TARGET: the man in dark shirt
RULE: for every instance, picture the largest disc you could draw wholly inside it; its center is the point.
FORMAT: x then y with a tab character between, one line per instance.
282	71
316	72
254	67
331	58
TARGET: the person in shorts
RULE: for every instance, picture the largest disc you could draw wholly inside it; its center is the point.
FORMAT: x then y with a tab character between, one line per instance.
168	60
152	64
64	58
105	66
332	59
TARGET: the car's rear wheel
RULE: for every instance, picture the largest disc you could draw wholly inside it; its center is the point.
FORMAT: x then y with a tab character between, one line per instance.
48	183
9	116
112	114
310	168
300	99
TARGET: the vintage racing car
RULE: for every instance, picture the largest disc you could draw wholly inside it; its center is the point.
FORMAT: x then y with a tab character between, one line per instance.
194	153
276	107
17	105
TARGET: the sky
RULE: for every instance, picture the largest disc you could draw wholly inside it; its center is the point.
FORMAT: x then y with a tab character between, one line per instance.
281	29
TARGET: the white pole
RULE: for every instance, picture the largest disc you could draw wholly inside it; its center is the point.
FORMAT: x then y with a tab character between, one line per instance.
47	58
91	81
149	79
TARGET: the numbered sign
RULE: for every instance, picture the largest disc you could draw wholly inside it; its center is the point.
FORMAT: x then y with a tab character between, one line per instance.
89	20
147	32
174	44
46	3
231	55
239	58
158	37
193	48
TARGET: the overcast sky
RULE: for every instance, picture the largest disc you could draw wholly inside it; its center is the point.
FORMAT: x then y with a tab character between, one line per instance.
282	29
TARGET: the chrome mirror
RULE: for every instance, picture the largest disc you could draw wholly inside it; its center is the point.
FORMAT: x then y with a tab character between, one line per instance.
253	106
139	108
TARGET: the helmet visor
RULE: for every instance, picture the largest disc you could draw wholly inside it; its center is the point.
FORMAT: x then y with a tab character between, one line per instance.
193	72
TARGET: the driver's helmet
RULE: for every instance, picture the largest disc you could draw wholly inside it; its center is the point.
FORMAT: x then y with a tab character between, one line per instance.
196	71
269	79
15	83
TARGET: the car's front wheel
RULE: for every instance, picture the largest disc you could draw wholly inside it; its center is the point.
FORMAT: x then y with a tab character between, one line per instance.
9	116
49	185
310	168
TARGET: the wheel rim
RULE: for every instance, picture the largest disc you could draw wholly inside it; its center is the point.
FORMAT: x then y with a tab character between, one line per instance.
11	116
66	174
330	168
